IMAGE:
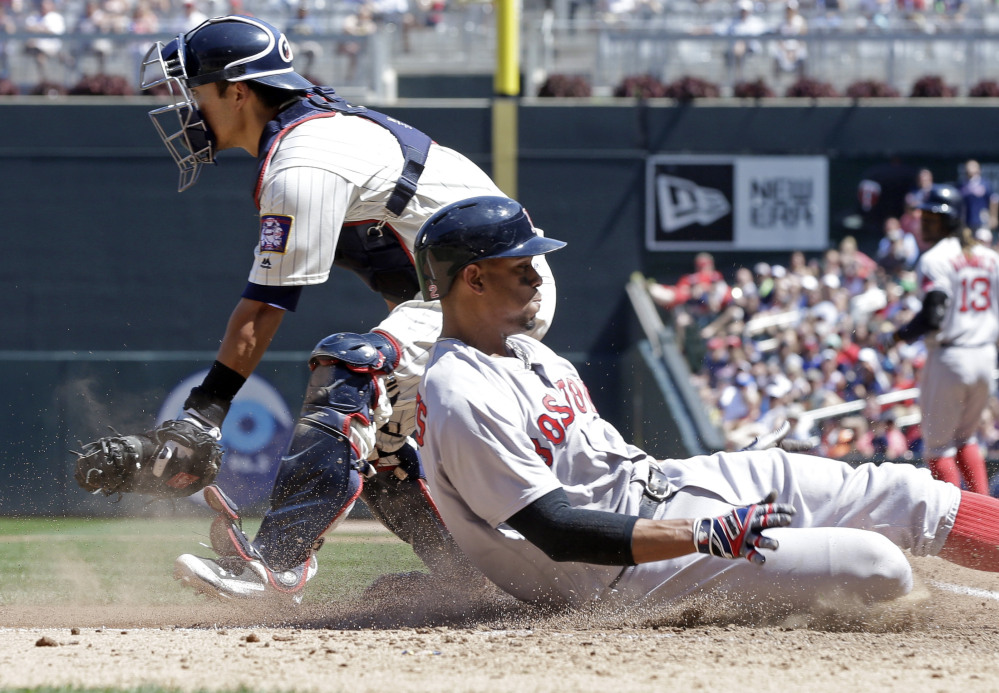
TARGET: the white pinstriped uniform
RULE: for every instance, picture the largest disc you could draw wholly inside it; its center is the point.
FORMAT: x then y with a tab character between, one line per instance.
961	356
337	170
518	428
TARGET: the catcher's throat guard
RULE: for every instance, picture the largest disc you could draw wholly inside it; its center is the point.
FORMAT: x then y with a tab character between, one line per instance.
173	460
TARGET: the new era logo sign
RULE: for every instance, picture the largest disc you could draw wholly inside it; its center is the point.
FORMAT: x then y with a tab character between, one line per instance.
682	202
717	202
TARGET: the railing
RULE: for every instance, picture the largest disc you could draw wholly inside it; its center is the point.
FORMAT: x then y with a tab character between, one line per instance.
603	53
355	64
607	54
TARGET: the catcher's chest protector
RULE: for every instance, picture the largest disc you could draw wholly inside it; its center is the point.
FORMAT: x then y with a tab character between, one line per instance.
371	250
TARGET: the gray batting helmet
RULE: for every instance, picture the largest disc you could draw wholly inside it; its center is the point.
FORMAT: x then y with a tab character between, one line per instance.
478	228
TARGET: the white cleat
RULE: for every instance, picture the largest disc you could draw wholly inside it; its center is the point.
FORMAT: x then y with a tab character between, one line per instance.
231	578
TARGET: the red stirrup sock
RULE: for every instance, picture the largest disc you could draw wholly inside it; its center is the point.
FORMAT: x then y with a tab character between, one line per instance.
974	539
944	469
972	466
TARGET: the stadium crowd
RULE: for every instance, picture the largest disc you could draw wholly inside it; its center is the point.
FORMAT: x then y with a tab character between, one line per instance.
799	342
69	39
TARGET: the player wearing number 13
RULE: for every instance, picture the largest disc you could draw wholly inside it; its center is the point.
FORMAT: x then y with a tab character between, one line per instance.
959	282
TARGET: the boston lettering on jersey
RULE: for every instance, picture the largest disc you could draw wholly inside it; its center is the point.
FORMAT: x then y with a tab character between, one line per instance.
371	249
576	398
562	411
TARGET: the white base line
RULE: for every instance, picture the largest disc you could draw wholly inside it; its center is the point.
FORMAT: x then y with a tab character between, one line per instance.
961	589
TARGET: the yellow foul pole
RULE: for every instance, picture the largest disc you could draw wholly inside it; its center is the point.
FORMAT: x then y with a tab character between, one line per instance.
506	87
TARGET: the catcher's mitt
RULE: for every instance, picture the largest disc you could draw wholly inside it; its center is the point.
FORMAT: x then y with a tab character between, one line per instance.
173	460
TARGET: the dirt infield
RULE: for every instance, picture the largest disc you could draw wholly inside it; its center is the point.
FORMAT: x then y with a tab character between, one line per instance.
943	637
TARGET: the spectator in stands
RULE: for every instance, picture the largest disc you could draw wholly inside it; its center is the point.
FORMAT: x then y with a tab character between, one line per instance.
985	237
739	402
855	265
302	31
359	24
744	28
144	20
696	299
852	440
47	21
704	280
828	16
7	26
764	282
801	425
924	183
873	15
898	249
866	378
790	53
888	441
94	20
397	14
191	16
981	202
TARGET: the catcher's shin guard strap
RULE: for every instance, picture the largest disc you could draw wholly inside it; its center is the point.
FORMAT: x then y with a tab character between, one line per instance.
316	483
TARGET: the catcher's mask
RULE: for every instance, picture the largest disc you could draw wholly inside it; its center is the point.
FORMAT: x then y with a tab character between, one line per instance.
478	228
232	49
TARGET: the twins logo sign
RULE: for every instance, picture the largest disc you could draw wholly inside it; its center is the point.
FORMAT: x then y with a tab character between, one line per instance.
737	203
254	436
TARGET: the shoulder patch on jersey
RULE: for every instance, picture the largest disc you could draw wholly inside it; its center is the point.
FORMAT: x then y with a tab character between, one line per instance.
275	230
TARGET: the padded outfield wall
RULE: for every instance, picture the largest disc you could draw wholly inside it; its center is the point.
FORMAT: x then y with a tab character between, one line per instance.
117	287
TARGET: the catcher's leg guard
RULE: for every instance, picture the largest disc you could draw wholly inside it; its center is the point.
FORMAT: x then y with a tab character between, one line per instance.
317	480
398	496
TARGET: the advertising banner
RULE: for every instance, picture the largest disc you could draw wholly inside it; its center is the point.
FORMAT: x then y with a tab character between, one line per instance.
706	202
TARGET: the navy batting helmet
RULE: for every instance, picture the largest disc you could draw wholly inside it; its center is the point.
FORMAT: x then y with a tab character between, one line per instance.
945	199
478	228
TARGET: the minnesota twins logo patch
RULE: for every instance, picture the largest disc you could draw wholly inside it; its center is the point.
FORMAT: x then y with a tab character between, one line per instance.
275	230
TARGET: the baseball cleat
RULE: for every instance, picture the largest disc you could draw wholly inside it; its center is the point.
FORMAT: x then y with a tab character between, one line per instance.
230	578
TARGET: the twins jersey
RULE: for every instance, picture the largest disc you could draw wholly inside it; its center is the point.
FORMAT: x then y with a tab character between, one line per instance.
498	433
336	171
972	288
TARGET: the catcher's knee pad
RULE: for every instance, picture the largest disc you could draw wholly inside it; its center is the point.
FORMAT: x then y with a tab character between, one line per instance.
345	396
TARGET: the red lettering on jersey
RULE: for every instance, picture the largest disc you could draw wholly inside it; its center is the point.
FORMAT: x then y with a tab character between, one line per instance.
577	396
421	421
577	401
551	428
564	410
544	453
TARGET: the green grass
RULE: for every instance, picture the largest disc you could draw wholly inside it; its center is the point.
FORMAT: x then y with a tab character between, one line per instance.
78	562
